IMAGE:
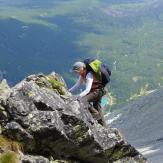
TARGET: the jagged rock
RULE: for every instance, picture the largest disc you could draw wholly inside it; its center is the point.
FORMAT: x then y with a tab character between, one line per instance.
4	90
3	114
3	86
4	94
65	161
34	159
61	127
129	160
16	132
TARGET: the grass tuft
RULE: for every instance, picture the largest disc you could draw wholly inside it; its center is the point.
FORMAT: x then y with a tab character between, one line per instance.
8	157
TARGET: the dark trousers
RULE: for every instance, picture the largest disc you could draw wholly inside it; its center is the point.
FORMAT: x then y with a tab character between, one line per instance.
94	97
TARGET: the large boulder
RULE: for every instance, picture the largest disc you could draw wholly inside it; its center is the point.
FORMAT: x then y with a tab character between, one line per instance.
34	159
4	94
45	118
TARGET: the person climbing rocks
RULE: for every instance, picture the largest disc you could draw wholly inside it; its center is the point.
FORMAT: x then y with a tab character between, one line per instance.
89	72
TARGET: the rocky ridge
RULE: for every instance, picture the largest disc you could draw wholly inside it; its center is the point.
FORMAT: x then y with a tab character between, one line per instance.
41	122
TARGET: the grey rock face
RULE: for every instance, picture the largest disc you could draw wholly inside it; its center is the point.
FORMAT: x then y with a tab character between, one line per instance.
4	94
34	159
4	86
47	122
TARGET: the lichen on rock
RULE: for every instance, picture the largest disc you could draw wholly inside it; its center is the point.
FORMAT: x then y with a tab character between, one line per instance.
3	86
51	81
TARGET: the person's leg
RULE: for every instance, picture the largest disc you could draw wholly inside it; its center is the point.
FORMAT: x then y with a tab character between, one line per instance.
90	98
93	96
96	111
97	105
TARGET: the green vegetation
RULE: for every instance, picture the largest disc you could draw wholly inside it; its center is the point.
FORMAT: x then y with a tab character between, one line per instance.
133	48
51	82
127	36
128	6
8	157
39	15
57	85
10	149
122	152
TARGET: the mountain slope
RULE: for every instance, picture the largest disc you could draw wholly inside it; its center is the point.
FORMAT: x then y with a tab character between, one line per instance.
52	34
45	119
141	123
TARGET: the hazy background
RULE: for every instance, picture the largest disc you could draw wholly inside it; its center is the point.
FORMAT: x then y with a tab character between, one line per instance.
44	36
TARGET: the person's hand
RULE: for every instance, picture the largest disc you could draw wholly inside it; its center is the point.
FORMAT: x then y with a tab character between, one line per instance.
78	98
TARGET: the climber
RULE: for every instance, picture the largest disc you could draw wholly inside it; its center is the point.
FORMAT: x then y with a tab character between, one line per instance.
94	87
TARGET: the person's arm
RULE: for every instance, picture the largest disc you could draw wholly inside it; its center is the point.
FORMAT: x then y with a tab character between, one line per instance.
89	81
77	84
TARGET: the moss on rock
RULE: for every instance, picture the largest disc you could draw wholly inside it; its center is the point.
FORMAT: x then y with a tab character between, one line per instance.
8	157
50	81
56	84
123	151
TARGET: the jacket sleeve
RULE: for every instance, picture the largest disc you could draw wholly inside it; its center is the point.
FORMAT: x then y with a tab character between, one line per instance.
89	81
76	85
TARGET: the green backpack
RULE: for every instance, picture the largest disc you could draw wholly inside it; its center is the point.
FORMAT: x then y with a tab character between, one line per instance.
101	70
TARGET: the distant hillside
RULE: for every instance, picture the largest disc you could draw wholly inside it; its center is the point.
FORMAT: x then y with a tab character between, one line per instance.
53	34
141	123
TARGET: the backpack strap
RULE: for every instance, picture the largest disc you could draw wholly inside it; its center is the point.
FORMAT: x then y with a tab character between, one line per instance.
99	69
87	63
